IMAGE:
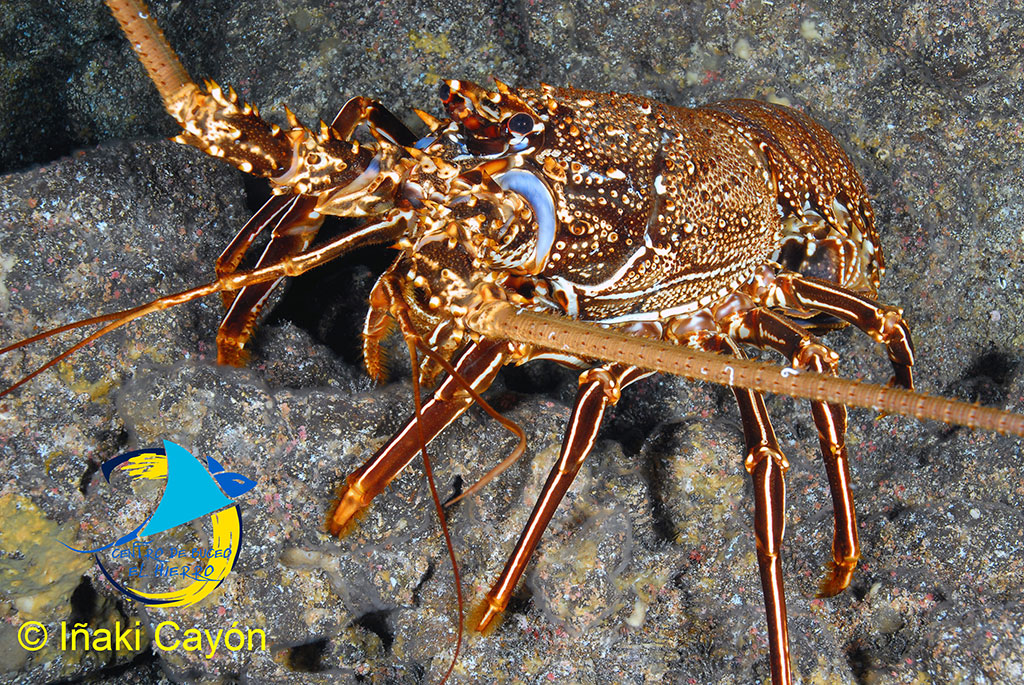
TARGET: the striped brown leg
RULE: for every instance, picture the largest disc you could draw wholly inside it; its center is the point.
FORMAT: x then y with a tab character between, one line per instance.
377	325
360	110
767	466
268	215
883	323
478	365
599	388
769	330
295	226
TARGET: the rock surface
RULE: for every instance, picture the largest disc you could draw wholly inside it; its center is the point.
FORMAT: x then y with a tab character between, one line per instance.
647	574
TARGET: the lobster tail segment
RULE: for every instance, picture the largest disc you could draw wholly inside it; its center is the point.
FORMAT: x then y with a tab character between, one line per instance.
817	181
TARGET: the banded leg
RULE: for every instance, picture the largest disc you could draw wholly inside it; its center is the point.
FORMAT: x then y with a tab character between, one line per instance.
767	466
360	110
766	329
883	324
478	365
295	226
376	326
231	257
599	388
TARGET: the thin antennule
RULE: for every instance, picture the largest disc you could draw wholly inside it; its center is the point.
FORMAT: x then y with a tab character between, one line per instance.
384	231
412	340
509	424
119	318
155	53
124	317
499	319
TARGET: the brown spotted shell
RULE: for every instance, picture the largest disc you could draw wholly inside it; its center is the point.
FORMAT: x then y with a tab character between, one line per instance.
663	210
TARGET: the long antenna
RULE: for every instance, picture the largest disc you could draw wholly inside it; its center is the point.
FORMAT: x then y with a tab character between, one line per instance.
153	50
499	319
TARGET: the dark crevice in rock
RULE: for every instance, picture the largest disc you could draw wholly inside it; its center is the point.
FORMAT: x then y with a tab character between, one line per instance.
83	482
427	575
988	376
308	657
377	623
144	667
860	664
84	602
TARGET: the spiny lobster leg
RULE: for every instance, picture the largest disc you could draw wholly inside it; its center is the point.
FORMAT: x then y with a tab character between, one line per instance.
884	324
377	325
296	225
599	388
767	466
359	110
766	329
478	365
229	260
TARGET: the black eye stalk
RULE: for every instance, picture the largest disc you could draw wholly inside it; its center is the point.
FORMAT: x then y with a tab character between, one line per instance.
520	124
487	127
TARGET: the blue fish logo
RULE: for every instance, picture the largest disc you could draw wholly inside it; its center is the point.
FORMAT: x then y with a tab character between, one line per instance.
192	491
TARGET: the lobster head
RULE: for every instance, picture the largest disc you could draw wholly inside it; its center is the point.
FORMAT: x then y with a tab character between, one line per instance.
493	123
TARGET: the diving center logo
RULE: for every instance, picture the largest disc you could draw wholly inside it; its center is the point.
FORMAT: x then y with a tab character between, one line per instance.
192	492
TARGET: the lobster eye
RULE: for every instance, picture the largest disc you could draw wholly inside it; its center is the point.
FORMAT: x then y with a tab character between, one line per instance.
520	124
445	93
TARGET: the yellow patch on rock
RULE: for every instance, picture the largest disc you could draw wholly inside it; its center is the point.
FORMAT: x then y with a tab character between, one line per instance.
36	571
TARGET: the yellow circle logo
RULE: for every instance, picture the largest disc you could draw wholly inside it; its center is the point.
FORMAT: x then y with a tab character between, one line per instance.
192	492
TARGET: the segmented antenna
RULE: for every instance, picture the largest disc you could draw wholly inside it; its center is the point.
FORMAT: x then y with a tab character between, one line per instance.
155	53
499	319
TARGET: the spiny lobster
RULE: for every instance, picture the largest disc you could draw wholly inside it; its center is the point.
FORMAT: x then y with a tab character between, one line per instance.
738	222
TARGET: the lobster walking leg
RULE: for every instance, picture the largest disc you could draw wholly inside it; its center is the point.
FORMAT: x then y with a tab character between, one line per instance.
767	466
884	324
361	110
478	365
599	388
229	260
296	223
767	329
295	226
